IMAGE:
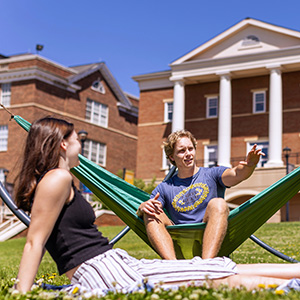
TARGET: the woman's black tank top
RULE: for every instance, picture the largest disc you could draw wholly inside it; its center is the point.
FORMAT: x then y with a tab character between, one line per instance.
75	238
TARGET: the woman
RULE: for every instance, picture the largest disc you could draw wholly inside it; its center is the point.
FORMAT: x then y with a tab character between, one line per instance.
62	222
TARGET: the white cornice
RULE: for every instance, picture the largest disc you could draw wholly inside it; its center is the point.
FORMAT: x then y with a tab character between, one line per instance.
152	81
266	55
210	69
282	57
26	57
14	75
154	75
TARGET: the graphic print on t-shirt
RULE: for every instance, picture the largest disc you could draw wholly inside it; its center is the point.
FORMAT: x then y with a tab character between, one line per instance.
189	198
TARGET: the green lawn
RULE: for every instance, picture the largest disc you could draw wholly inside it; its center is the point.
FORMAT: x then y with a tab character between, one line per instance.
284	237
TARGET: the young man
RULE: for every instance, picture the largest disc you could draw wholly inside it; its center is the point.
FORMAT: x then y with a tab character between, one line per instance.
194	195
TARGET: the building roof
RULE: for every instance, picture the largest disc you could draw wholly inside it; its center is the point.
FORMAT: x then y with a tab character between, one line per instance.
67	78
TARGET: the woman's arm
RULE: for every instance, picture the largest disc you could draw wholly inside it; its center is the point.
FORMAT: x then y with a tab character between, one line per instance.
51	194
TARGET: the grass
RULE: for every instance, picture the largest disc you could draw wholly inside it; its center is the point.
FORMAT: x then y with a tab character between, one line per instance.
284	237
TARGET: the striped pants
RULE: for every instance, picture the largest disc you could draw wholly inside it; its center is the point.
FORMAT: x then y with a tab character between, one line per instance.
116	270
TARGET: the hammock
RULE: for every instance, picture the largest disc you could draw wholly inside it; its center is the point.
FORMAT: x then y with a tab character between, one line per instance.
124	199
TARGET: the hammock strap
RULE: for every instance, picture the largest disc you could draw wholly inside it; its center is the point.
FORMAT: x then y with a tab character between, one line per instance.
11	114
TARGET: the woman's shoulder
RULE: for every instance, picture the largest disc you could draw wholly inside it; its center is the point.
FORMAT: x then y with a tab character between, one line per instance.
57	175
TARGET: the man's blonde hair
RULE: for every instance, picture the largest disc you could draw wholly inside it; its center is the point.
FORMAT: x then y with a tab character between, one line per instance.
169	145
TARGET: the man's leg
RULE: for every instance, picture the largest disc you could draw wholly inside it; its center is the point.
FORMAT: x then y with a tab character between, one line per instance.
215	217
158	235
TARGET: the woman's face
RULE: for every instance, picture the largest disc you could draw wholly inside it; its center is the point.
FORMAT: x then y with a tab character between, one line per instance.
73	148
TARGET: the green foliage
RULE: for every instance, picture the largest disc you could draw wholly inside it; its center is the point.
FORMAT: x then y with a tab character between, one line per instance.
148	188
140	183
283	236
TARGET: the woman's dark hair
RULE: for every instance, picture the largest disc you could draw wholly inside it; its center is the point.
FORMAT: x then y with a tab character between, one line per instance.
42	152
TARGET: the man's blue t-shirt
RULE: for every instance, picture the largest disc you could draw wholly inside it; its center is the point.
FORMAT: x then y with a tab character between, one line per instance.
186	199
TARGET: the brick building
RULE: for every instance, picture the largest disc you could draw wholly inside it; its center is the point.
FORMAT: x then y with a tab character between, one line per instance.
239	88
88	95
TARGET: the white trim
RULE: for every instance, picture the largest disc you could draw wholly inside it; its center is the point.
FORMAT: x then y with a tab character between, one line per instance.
208	100
16	75
3	138
254	101
154	81
98	112
100	88
166	165
210	148
232	30
25	57
5	96
101	149
167	111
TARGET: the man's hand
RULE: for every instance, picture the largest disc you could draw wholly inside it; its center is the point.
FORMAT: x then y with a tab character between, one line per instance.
253	157
150	207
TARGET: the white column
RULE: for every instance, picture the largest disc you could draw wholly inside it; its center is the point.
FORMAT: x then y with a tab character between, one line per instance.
224	125
275	119
178	106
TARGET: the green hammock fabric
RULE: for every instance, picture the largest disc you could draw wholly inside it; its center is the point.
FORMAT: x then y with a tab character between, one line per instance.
124	199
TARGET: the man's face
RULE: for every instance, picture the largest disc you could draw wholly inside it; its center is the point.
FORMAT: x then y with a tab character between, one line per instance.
184	153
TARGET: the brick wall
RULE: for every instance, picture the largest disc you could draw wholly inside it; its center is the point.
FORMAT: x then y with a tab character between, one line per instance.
120	137
152	131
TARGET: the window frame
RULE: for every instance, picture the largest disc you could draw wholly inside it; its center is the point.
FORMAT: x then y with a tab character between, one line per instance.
88	152
167	111
166	164
207	162
208	100
96	116
100	88
3	138
5	97
254	101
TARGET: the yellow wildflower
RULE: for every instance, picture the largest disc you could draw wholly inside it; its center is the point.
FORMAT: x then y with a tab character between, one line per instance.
279	292
76	289
262	286
272	286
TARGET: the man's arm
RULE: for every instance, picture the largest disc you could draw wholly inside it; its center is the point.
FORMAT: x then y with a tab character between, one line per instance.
244	169
151	207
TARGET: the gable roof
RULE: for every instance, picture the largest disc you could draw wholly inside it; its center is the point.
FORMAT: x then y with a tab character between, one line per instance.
265	37
85	70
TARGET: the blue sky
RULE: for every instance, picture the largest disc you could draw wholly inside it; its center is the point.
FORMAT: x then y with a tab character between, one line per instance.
132	37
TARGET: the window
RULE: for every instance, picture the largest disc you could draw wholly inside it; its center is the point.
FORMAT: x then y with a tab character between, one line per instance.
210	156
168	111
211	107
250	40
3	137
96	113
166	165
5	94
95	152
264	146
98	86
259	102
2	176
